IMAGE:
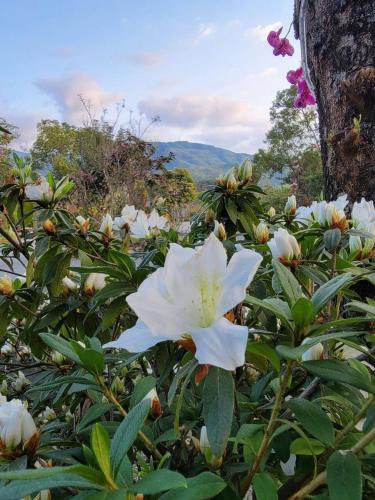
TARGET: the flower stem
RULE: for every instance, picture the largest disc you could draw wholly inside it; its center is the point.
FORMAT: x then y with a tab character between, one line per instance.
269	430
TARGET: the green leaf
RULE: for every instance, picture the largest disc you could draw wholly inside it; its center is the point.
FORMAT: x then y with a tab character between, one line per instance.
266	351
231	209
92	414
182	372
200	487
313	419
339	371
327	291
302	312
158	481
218	404
265	486
344	476
301	446
289	352
142	387
60	345
288	282
90	359
100	445
126	433
332	239
276	306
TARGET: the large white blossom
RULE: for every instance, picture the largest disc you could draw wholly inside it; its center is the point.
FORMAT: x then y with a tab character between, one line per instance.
146	226
16	424
188	297
127	217
363	212
322	212
40	191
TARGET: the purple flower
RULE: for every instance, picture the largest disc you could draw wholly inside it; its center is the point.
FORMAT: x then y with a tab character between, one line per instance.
304	97
294	77
281	46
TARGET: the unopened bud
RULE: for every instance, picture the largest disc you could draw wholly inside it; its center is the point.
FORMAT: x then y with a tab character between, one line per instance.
290	206
219	231
271	212
231	183
261	232
245	171
6	286
155	405
314	352
118	385
49	227
210	216
205	449
82	225
57	358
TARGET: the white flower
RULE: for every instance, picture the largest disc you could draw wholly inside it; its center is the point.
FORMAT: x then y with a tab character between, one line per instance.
7	349
106	226
140	227
128	216
16	424
303	214
39	192
314	352
156	221
21	382
94	282
284	245
363	246
291	205
271	212
188	297
184	228
363	212
289	467
6	286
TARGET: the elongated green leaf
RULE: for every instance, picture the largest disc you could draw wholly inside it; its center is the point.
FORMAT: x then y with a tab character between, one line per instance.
276	306
218	404
100	445
142	387
301	446
158	481
327	291
289	352
265	486
92	414
126	433
313	419
339	371
288	282
200	487
266	351
344	476
302	312
60	345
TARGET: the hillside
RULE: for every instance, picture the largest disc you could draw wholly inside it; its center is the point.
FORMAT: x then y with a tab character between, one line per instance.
204	161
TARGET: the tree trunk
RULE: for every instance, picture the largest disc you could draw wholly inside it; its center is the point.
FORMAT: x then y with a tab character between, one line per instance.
340	54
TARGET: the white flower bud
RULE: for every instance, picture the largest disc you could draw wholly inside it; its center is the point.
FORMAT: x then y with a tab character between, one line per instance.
16	424
313	353
290	206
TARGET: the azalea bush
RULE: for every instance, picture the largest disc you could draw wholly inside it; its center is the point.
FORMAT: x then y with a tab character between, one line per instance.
228	357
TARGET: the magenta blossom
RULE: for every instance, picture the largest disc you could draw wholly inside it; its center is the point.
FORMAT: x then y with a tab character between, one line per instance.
294	77
281	46
304	97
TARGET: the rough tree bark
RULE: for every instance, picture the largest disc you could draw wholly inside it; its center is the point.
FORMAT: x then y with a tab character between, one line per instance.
340	43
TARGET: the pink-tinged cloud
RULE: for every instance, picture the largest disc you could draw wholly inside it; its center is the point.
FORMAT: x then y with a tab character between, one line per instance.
66	92
261	31
192	109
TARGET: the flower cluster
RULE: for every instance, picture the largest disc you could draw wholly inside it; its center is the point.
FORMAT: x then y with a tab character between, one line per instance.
281	46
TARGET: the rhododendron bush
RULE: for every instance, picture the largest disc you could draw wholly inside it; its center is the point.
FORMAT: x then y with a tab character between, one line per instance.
231	358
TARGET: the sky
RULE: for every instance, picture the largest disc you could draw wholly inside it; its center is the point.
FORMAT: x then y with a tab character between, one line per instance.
203	66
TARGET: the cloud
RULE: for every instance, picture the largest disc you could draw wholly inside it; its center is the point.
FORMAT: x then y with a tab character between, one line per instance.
218	120
144	58
66	92
261	31
204	31
194	109
26	122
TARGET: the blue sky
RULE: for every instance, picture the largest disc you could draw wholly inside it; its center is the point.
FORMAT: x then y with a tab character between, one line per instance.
203	66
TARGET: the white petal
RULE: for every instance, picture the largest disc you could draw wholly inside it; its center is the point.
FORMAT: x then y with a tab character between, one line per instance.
136	339
240	272
222	344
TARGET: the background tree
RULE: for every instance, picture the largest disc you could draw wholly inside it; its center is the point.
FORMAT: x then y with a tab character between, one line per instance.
340	55
292	146
8	132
